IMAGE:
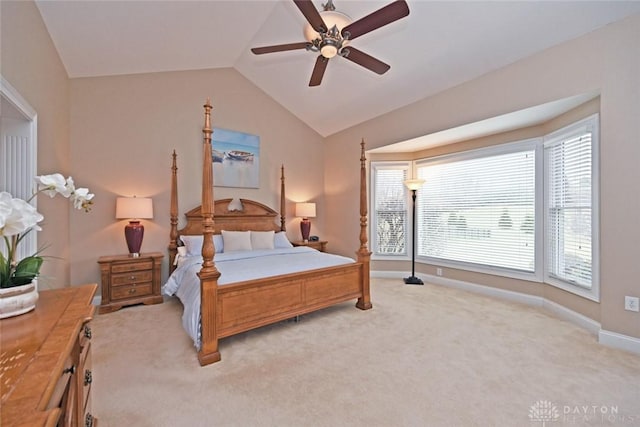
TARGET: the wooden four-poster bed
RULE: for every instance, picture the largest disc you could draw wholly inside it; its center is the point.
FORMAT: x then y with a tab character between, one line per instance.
231	308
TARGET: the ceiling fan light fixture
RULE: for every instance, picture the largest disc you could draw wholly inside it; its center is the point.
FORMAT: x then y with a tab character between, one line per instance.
328	51
331	18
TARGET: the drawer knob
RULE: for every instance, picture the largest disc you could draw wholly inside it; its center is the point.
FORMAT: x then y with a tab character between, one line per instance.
132	278
88	378
132	291
88	421
71	370
87	331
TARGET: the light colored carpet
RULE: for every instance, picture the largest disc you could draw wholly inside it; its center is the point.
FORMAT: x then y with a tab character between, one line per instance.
423	356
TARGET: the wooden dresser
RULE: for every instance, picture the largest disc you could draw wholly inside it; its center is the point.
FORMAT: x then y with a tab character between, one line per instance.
127	280
45	361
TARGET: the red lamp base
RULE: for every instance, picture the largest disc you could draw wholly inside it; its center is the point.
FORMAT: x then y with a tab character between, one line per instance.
305	228
133	233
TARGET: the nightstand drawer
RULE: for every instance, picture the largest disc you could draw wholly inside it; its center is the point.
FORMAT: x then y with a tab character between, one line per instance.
131	266
129	291
131	278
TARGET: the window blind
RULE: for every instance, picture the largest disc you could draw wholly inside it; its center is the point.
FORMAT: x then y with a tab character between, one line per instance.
390	209
479	208
568	205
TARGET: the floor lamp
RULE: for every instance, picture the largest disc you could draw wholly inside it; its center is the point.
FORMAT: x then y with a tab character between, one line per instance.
413	185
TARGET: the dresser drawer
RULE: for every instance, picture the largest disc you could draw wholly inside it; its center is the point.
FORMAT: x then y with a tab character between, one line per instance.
61	387
131	291
86	377
131	278
131	266
85	335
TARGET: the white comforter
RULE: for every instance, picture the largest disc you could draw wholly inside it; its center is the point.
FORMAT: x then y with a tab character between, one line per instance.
237	267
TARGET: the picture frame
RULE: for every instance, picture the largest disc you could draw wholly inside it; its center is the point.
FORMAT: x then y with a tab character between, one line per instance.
236	159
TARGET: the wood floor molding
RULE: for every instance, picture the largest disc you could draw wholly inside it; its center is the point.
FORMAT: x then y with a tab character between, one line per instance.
608	338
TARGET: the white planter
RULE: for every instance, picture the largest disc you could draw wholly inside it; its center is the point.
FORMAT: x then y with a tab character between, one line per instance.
18	300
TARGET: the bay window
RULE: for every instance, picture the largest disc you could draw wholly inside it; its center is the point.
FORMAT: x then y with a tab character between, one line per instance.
526	209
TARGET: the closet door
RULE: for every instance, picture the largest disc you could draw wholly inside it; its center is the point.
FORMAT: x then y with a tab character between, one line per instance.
17	165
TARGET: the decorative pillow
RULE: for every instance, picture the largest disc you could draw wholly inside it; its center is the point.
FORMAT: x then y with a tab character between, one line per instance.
280	240
236	240
193	244
218	242
262	239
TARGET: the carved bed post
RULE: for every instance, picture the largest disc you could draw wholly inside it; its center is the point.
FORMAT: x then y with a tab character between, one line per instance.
173	212
283	227
208	274
364	255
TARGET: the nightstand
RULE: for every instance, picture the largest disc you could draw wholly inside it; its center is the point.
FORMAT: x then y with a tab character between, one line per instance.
320	245
127	280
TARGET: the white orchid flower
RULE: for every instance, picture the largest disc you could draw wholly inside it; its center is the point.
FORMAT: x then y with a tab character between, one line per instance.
82	199
53	184
70	185
17	216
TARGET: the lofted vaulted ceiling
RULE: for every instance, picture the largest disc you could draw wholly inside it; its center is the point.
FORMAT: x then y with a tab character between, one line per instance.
439	45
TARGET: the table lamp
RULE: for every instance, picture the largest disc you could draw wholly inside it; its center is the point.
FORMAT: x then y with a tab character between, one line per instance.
306	211
134	209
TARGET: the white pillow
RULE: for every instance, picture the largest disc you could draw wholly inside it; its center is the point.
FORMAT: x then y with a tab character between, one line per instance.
218	242
193	244
280	240
236	240
262	239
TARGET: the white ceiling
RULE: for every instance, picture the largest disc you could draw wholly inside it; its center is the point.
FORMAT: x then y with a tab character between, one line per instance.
439	45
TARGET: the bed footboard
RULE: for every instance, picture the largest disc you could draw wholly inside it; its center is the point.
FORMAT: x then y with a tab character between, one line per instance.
248	305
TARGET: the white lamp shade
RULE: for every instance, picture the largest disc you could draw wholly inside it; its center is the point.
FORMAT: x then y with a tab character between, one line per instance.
134	208
414	184
306	210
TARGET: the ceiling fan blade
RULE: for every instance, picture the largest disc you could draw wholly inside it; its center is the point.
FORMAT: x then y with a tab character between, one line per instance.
318	71
381	17
312	15
279	48
365	60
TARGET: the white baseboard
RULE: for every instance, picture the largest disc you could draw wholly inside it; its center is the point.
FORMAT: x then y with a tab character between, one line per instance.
608	338
616	340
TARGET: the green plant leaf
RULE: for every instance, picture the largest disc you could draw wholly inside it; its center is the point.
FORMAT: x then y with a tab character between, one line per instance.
26	270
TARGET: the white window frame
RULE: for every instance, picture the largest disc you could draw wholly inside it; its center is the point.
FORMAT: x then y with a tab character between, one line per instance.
541	273
534	144
592	124
381	165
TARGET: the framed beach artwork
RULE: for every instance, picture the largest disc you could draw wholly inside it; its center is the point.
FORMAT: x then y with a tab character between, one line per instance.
236	159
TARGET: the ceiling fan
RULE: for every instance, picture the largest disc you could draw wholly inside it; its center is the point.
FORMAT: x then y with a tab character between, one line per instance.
330	33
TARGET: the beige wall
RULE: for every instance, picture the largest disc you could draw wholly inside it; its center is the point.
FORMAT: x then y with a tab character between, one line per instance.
613	58
30	63
124	129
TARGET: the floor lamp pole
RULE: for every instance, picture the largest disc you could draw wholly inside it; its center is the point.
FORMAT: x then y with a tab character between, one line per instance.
413	280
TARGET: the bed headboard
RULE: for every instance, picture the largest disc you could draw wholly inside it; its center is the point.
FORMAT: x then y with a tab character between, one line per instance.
254	216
